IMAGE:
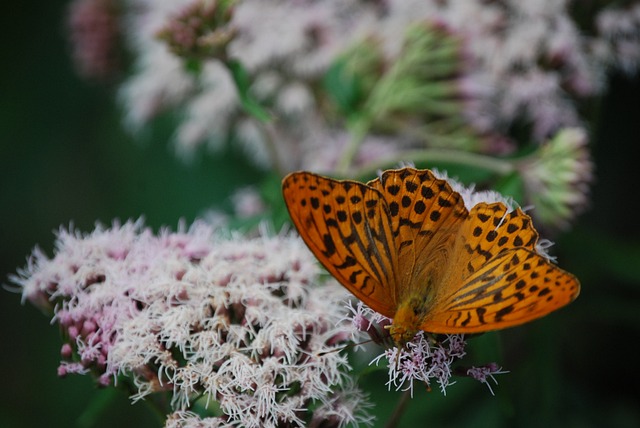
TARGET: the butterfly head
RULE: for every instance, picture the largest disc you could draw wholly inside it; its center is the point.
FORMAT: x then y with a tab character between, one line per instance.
406	324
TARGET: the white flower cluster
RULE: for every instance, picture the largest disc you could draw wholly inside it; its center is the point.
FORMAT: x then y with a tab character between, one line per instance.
424	361
525	64
619	41
232	320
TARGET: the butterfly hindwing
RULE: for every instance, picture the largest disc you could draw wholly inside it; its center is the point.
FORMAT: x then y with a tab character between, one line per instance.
346	225
494	274
514	287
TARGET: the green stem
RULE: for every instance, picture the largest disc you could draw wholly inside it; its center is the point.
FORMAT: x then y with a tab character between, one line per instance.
359	129
268	133
159	405
399	410
499	166
243	81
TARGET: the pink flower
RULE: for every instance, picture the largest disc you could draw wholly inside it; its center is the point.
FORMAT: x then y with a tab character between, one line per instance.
486	372
237	321
94	32
426	359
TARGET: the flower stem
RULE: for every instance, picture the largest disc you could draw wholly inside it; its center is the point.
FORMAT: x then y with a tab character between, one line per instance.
399	410
268	132
359	129
499	166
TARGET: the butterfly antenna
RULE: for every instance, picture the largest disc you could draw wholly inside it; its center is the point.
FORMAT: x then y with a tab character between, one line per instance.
351	345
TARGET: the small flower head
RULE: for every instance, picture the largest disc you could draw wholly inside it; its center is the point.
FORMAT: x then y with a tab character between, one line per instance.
201	30
187	419
427	359
95	35
557	178
247	202
483	373
364	320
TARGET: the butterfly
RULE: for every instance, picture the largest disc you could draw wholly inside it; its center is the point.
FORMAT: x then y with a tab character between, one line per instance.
408	247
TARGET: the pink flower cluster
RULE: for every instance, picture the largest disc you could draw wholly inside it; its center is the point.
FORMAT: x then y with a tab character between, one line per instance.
95	32
203	318
425	360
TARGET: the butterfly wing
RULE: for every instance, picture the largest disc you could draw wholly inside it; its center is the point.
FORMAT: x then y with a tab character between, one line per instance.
488	230
347	226
408	238
425	216
497	279
513	288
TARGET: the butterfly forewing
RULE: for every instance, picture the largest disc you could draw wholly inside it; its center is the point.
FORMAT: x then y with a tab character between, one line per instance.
419	203
489	230
346	225
512	288
425	216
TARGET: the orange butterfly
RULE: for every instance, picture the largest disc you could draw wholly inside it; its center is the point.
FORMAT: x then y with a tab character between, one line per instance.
406	245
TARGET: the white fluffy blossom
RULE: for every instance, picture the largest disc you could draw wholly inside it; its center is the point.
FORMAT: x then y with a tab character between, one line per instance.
519	71
229	320
509	45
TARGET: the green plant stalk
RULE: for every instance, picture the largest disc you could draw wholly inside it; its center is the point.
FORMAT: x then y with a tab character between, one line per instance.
501	167
268	131
394	420
242	79
359	129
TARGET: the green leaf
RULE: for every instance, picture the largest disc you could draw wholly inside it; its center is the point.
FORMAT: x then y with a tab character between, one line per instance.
99	405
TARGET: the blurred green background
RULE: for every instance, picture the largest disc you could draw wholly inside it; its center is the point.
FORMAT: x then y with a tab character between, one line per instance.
64	158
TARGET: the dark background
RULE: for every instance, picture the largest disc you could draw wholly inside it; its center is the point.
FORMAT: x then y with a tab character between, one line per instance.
64	158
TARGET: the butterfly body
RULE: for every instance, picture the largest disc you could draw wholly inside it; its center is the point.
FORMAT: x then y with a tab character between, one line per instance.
408	319
409	248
